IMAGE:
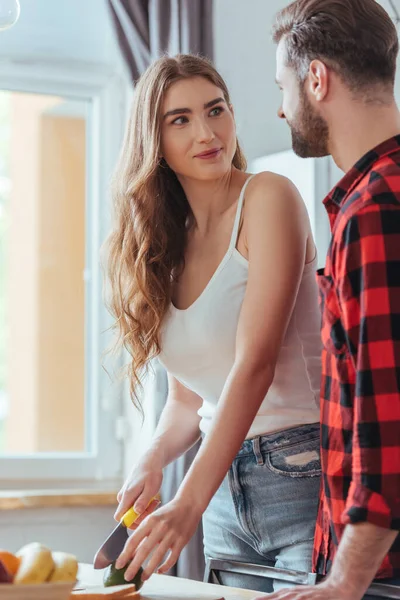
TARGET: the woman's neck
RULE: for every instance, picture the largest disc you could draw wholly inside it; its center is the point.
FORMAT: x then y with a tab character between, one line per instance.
210	199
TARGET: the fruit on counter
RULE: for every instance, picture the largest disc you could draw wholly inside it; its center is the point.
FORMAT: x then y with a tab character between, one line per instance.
36	564
5	575
65	569
113	576
10	561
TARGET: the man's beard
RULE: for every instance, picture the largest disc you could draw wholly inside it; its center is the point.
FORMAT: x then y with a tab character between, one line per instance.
310	132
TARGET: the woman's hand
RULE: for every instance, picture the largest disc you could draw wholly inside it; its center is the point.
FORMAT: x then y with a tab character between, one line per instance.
163	535
143	483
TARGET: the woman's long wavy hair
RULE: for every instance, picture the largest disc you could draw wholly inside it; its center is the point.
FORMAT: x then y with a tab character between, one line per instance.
145	250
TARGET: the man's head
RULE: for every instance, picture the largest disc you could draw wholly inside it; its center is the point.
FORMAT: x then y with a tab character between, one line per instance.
328	48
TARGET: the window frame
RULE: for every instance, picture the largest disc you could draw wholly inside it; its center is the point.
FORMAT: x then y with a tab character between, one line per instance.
106	90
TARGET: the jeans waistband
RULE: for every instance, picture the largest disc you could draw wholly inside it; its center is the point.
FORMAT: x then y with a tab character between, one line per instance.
279	439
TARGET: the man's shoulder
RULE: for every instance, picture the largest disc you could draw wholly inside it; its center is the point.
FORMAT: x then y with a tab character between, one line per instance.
381	184
376	193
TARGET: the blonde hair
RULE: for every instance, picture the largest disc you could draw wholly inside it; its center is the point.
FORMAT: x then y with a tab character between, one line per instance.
146	247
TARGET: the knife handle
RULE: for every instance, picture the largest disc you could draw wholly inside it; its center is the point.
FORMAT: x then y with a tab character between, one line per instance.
131	515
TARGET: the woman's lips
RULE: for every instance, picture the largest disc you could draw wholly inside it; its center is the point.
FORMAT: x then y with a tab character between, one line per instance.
209	154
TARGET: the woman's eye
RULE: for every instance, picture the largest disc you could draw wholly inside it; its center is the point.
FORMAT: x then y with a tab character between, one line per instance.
180	121
216	111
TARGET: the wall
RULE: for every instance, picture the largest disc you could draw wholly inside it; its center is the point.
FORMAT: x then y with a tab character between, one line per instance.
80	531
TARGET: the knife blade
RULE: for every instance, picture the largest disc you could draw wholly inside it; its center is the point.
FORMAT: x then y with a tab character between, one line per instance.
114	544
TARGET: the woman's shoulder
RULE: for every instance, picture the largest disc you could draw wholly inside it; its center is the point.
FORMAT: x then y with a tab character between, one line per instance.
270	180
273	207
267	188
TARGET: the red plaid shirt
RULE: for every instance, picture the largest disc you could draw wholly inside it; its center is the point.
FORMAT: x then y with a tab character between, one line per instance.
360	392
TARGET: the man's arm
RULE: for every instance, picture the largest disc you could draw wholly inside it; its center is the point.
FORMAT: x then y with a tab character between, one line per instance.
360	554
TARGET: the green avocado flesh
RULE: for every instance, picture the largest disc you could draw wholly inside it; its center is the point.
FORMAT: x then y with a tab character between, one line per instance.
113	576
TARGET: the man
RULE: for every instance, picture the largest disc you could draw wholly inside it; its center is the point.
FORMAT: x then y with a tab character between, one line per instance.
336	62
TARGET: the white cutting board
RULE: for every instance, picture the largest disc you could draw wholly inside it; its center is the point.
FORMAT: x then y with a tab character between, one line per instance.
163	587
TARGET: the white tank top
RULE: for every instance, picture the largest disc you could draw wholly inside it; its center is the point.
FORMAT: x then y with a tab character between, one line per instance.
198	345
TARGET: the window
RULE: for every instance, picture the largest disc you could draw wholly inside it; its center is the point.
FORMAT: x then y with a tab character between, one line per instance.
60	132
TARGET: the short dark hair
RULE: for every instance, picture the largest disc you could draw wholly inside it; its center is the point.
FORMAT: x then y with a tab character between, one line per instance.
357	39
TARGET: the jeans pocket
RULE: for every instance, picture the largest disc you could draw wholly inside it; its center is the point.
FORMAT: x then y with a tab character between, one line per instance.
297	460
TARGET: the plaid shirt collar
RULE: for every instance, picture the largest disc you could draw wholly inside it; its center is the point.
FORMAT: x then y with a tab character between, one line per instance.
334	199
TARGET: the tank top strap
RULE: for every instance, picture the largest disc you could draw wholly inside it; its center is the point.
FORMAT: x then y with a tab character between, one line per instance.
236	224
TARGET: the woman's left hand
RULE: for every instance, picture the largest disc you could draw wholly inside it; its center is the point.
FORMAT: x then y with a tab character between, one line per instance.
165	532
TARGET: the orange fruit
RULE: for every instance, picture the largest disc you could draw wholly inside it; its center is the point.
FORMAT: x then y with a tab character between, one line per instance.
10	561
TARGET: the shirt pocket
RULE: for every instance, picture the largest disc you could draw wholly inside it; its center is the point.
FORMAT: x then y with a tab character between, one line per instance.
333	335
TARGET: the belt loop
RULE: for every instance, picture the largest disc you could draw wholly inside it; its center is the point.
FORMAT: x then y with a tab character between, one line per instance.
257	451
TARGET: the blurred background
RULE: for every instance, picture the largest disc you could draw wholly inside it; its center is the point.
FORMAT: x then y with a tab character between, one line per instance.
68	432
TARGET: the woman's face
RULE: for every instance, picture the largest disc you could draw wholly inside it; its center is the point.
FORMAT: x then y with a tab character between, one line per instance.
198	134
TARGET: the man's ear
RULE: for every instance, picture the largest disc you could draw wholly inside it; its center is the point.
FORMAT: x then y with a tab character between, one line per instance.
318	80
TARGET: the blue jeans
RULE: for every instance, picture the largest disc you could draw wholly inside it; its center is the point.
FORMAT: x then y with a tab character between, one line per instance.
265	510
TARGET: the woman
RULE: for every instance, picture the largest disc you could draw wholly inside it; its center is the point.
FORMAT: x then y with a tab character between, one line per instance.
212	269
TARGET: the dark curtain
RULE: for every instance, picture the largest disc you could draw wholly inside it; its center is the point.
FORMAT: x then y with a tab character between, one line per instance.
147	29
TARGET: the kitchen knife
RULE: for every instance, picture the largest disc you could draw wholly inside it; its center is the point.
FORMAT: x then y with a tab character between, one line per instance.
115	542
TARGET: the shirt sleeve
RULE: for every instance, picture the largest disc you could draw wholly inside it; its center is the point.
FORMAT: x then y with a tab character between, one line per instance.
368	286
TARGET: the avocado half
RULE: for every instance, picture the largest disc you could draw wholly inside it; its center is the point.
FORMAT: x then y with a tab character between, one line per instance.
113	576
